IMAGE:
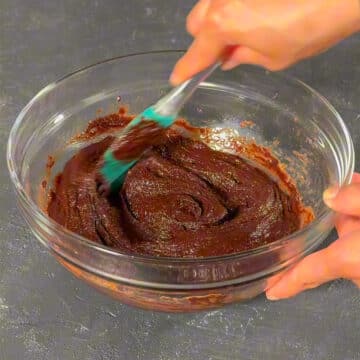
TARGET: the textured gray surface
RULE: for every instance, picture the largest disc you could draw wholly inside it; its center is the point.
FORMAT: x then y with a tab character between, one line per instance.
45	313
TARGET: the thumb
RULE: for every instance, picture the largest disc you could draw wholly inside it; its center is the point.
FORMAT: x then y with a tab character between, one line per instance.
344	200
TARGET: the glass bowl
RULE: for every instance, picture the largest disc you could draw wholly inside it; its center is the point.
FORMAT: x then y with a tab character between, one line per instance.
301	128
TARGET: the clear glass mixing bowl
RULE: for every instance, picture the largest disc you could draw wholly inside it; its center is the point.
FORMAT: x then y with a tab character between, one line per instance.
300	126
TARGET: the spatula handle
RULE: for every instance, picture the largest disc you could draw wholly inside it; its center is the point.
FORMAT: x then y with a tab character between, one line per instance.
172	103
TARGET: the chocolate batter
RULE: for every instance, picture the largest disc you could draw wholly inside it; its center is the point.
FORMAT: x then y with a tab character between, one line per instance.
182	199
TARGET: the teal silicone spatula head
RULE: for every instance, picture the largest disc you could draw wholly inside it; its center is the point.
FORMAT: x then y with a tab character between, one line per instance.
122	155
142	133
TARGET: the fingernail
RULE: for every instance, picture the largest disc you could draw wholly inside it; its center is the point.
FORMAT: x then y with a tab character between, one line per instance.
271	297
330	194
228	65
174	80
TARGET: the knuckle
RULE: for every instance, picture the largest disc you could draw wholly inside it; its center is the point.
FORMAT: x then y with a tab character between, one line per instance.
296	278
189	25
191	20
214	19
276	65
223	17
348	255
356	282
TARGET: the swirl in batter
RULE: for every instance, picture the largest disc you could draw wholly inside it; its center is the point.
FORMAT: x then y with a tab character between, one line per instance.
182	199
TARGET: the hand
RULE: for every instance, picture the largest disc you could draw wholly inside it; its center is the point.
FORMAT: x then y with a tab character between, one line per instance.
273	34
340	260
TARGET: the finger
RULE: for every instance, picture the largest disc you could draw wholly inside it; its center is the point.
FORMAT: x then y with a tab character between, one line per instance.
205	50
245	55
310	272
345	200
340	260
346	224
355	178
209	44
347	252
196	17
274	279
240	23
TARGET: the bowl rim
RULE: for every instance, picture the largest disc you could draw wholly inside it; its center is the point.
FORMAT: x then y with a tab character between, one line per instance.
53	225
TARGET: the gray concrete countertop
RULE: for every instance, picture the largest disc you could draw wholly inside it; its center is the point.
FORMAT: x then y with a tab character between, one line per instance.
45	313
